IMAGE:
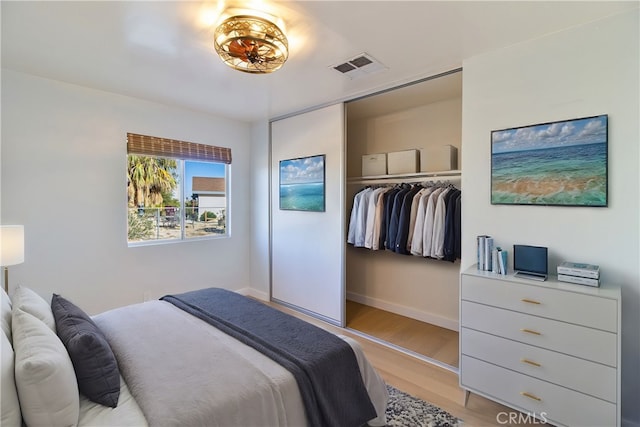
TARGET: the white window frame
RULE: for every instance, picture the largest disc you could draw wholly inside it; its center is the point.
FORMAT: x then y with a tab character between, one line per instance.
142	145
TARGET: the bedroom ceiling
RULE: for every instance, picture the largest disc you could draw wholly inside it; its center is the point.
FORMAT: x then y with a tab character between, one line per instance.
162	51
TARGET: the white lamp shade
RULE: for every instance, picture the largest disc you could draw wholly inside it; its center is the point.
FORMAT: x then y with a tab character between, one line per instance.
11	245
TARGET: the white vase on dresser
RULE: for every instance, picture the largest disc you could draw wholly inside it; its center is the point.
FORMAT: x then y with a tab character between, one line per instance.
548	349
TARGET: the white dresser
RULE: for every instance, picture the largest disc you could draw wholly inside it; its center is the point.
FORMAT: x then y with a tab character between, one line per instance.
549	349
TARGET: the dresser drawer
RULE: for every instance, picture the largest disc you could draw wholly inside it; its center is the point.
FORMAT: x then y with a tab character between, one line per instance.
571	372
549	302
530	395
591	344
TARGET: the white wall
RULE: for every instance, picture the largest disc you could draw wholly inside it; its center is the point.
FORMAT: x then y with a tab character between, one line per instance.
64	177
584	71
430	125
260	210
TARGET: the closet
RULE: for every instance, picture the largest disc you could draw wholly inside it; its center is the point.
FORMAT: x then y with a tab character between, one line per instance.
424	115
312	268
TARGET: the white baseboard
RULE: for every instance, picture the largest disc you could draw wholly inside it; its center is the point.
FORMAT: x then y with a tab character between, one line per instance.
402	310
250	292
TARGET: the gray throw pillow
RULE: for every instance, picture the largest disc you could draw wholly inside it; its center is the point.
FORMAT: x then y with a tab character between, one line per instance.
93	360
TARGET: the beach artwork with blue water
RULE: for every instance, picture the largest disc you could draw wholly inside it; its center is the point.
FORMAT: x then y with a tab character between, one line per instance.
302	184
561	163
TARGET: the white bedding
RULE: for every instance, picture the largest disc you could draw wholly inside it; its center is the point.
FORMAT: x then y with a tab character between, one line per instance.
179	378
126	414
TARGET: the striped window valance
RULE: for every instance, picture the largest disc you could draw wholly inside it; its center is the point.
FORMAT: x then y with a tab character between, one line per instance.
163	147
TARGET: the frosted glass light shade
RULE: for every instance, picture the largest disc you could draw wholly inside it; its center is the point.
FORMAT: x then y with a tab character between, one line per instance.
12	245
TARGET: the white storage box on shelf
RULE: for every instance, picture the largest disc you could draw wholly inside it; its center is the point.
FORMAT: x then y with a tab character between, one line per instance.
374	164
439	158
399	162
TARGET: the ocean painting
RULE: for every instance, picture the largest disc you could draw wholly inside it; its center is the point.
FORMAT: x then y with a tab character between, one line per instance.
302	184
561	163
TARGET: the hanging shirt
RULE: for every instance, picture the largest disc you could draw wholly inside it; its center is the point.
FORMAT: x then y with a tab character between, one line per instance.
449	226
416	242
457	248
427	232
394	219
437	244
370	220
389	197
404	218
378	220
414	213
361	216
353	219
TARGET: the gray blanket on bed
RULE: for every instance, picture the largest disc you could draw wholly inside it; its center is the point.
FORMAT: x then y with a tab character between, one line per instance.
323	365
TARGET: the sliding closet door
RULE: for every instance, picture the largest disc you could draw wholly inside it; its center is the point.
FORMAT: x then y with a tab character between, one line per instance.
307	249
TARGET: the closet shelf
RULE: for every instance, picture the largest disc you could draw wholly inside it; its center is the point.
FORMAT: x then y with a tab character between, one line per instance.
404	177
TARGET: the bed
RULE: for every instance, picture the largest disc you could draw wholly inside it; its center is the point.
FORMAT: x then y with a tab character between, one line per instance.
204	358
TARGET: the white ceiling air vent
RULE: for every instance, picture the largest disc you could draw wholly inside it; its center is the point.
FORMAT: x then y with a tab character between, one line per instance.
359	66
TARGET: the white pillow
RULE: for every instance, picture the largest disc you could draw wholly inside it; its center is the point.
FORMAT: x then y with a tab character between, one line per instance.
46	383
30	302
5	320
9	404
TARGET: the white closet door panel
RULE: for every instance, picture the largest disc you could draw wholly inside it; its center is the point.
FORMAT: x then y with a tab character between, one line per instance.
307	248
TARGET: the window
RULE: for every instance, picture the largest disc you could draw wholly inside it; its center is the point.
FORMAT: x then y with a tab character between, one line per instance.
176	190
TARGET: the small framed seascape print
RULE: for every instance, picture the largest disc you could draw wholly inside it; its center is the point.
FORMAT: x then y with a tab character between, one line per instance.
302	184
561	163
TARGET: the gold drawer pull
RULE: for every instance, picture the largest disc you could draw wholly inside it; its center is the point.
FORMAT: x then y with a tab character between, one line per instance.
530	396
530	301
530	331
531	362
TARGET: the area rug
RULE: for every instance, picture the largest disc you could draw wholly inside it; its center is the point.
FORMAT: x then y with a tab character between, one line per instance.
405	410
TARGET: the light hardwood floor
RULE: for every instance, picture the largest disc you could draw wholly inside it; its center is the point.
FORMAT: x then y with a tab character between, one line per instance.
422	379
423	338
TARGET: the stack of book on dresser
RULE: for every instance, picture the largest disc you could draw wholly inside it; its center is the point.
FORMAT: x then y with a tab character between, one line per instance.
582	274
491	258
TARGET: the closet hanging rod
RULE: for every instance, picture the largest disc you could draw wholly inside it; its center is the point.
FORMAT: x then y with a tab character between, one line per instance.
407	177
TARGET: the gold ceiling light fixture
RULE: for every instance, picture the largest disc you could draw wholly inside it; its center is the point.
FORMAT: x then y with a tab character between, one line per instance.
252	44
